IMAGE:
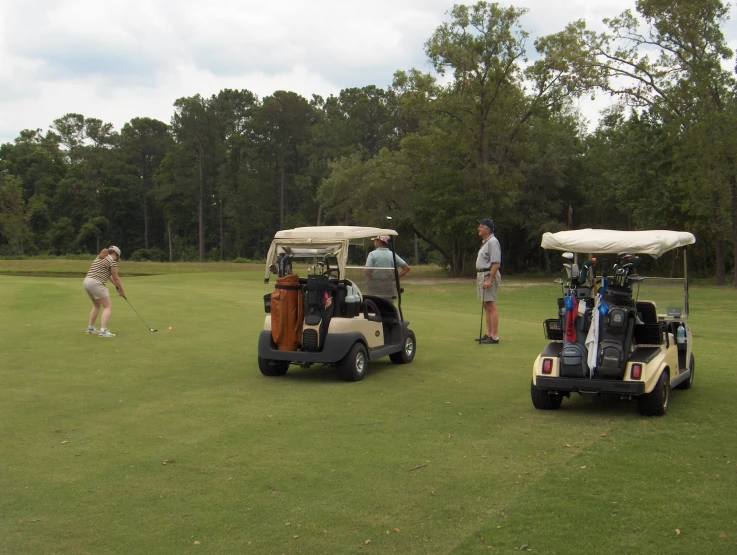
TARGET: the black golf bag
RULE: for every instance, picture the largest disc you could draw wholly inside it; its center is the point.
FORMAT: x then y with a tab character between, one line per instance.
318	310
615	334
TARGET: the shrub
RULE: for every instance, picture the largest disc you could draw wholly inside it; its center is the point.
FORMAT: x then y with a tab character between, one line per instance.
148	255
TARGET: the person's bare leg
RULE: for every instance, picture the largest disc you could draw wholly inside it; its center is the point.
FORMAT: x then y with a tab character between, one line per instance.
492	319
106	310
94	312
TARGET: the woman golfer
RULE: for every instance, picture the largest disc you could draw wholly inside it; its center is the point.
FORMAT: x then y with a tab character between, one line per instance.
104	267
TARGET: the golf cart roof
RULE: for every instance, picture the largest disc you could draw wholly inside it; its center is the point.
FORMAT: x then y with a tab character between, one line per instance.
654	242
333	232
319	241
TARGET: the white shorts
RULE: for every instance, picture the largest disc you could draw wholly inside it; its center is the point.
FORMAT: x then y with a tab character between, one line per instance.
95	289
490	293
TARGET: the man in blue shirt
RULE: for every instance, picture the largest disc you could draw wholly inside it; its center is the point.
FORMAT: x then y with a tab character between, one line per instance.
488	278
380	268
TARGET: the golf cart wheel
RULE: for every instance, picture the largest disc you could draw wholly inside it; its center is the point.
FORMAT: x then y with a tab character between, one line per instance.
273	367
353	367
543	400
688	384
657	401
409	347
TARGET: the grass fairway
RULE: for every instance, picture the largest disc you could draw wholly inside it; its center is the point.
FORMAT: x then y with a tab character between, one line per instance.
173	442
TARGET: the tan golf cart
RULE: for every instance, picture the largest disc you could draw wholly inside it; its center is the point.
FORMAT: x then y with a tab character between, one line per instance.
327	311
616	333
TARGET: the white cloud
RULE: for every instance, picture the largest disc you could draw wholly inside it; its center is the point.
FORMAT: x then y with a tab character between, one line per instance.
116	59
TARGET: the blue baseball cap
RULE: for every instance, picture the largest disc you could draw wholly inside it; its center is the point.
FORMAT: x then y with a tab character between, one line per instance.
487	222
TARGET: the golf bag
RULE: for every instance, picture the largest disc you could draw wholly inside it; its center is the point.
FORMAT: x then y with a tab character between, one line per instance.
286	312
573	357
318	310
615	340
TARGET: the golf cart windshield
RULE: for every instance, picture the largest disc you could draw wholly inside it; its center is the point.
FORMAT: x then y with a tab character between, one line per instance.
323	248
669	294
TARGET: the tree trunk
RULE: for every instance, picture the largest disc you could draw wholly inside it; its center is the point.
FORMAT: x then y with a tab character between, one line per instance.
448	256
319	213
145	215
548	268
719	261
171	251
201	208
417	249
283	199
221	229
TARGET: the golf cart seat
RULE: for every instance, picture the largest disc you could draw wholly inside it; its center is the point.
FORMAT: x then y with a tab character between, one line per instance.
647	312
387	310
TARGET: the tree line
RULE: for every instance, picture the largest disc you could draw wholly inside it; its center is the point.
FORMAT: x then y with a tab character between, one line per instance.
493	131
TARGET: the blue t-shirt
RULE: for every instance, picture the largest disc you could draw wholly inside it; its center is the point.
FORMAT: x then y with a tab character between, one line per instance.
382	258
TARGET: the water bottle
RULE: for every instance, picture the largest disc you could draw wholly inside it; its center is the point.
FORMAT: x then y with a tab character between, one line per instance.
350	301
681	335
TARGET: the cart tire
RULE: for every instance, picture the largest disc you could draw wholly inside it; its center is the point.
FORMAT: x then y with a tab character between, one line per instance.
409	347
542	400
270	367
688	384
354	365
657	401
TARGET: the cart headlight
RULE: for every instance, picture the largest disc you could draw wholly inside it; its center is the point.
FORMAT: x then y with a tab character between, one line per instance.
547	365
636	372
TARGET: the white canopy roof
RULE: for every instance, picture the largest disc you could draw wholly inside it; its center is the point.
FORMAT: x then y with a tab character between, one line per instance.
319	240
332	232
654	242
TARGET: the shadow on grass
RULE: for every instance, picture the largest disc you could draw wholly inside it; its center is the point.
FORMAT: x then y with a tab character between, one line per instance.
329	373
603	405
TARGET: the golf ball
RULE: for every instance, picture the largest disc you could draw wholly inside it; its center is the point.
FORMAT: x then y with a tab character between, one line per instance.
169	327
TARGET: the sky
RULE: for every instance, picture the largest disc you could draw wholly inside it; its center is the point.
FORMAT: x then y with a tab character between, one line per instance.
116	60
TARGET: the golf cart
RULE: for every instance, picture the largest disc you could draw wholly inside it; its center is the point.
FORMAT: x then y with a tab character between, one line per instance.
322	316
611	336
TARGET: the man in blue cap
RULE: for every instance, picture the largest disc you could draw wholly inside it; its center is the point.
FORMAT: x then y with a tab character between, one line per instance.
488	279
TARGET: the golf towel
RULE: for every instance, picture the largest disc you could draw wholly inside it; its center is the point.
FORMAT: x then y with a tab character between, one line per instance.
592	338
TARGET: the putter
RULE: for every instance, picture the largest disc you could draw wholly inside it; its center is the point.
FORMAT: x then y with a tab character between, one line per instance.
134	310
481	322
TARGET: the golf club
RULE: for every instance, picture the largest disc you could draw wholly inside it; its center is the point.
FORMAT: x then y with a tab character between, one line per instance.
134	310
481	322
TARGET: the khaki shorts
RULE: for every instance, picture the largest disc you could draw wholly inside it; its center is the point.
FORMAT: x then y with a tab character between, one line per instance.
490	293
95	289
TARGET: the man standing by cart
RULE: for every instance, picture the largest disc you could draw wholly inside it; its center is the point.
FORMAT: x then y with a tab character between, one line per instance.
381	279
488	279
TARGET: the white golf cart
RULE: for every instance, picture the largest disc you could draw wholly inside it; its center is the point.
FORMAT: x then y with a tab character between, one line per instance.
611	335
318	313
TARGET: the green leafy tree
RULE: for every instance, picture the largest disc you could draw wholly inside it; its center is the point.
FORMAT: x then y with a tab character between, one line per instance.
283	127
145	142
13	221
195	127
674	69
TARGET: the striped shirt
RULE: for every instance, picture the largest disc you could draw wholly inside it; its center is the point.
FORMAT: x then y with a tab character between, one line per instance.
101	269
